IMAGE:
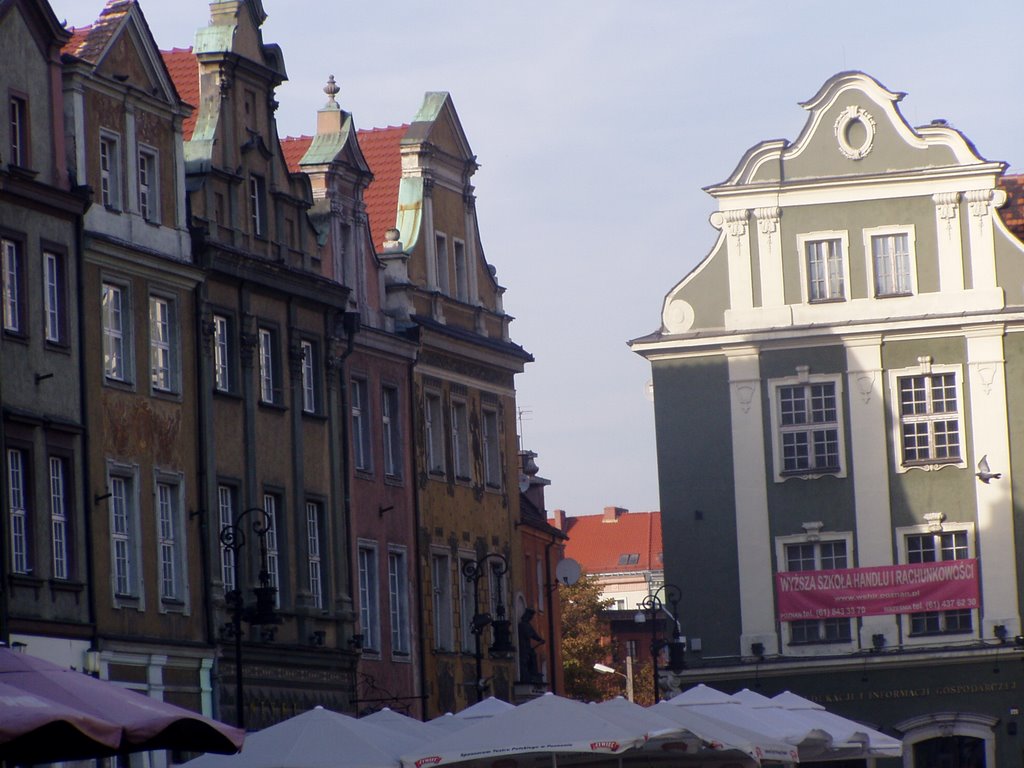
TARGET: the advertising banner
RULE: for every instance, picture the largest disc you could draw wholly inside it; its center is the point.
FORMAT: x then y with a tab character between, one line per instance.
950	585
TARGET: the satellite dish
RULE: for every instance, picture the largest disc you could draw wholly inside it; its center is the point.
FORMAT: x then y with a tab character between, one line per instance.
524	483
568	572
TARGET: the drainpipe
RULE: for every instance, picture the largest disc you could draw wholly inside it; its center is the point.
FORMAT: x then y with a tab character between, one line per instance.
350	322
420	624
552	590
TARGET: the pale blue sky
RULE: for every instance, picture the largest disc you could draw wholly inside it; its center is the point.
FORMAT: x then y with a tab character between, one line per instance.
596	125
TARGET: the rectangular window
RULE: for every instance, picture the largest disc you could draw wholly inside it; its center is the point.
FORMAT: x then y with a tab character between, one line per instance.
19	132
222	353
492	449
110	173
398	600
149	203
271	507
818	556
309	378
116	334
434	425
13	277
316	578
441	262
362	449
53	297
268	366
168	516
461	459
929	418
122	535
461	272
163	352
825	270
891	259
17	502
440	571
226	518
467	604
932	548
257	205
391	432
369	611
59	517
809	427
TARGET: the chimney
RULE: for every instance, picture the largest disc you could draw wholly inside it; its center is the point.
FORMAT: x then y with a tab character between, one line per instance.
611	514
559	515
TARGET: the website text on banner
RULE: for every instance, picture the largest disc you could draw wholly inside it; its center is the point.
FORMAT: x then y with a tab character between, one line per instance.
945	586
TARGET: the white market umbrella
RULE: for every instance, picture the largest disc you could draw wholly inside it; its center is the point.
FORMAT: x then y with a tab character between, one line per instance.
721	733
875	743
403	726
546	726
318	738
489	707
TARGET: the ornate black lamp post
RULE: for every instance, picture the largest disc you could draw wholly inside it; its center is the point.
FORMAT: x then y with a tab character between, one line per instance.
654	604
501	647
232	537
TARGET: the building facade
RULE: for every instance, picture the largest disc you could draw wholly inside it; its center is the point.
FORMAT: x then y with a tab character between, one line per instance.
853	339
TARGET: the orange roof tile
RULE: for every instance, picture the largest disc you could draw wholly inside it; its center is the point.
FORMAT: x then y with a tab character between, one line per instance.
79	36
183	67
89	42
615	542
294	148
381	148
1012	213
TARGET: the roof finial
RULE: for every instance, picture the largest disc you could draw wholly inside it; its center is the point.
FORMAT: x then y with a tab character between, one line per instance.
332	90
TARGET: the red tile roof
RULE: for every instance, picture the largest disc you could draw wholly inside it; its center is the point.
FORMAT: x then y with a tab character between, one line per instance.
293	148
89	42
79	37
183	67
1012	213
617	541
381	148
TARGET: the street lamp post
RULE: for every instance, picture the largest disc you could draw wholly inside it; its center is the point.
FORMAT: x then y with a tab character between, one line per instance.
501	647
654	603
628	674
233	538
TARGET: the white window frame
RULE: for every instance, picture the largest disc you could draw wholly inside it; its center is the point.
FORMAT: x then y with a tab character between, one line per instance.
226	503
163	343
441	603
462	459
13	286
268	365
18	494
272	508
170	544
310	395
398	601
53	297
222	376
778	429
391	431
57	467
815	535
362	443
491	440
368	565
314	558
926	369
433	420
117	332
905	619
148	175
110	170
907	230
803	240
125	542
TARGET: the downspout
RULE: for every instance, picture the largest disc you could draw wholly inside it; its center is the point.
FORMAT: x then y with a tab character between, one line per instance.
552	590
206	496
350	322
420	624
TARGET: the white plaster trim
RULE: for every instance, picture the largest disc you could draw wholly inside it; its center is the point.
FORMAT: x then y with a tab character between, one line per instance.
894	398
776	425
945	724
802	241
848	117
734	224
949	242
668	316
769	253
869	257
981	236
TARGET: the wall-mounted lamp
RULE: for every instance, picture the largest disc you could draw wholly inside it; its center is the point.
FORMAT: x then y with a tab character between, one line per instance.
318	638
877	642
758	650
999	630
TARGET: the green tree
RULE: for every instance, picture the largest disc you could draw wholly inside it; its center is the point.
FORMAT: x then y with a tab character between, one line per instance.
584	641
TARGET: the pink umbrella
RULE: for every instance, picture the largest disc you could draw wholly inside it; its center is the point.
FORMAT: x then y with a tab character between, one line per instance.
144	723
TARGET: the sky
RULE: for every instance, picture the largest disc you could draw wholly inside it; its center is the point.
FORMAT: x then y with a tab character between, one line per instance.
596	124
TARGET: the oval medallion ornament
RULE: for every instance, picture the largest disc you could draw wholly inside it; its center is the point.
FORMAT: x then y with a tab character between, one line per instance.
855	132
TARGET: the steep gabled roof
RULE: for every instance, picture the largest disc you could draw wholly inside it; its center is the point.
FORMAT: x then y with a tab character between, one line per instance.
293	148
617	541
183	67
1012	213
381	148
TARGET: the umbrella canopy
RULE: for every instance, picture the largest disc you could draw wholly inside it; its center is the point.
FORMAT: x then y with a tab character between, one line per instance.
409	731
318	738
869	742
548	725
721	733
143	723
489	707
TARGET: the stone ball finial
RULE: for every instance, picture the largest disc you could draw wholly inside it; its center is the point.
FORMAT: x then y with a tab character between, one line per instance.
391	241
331	89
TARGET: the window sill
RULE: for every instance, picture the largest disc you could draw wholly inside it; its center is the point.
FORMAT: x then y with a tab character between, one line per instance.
811	473
26	580
166	394
18	336
893	295
122	384
59	347
227	393
21	171
837	300
129	602
60	585
438	474
394	480
364	474
273	406
314	415
806	643
942	633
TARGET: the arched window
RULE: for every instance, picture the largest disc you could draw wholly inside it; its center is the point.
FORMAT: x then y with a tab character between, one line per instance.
949	739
